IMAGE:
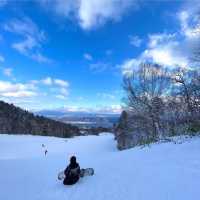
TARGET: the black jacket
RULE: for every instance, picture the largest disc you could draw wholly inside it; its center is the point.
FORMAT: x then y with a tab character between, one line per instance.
72	173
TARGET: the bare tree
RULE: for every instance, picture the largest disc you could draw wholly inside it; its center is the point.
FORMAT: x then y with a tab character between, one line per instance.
146	88
189	89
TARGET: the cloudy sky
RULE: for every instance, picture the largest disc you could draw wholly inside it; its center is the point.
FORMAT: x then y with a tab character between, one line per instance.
72	54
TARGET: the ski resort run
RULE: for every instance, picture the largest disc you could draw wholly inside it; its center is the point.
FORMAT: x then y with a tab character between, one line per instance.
162	171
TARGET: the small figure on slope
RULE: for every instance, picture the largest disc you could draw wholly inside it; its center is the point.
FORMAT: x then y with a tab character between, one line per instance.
45	149
72	172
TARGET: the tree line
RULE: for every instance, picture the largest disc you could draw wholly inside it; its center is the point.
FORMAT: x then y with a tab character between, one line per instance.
14	120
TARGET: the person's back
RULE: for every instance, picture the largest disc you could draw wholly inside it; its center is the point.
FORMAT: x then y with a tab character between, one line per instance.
72	172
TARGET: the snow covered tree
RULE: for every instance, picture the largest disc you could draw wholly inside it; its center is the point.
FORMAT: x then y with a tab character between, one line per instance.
188	93
146	88
159	103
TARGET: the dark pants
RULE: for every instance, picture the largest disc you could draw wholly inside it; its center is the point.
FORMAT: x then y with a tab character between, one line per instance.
70	180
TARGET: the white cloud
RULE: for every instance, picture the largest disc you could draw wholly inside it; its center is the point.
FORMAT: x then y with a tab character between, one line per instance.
61	83
135	40
188	21
95	13
170	49
64	8
74	109
175	48
32	38
59	96
2	59
19	94
169	54
159	39
26	45
87	56
41	58
7	72
18	90
91	13
128	65
34	82
34	91
47	81
26	28
112	109
64	91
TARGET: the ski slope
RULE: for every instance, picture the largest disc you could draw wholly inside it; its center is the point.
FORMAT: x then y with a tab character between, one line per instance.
164	171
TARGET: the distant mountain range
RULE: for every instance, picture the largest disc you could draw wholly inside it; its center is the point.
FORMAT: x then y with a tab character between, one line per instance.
82	119
62	113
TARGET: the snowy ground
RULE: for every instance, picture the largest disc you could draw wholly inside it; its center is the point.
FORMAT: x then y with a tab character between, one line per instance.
165	171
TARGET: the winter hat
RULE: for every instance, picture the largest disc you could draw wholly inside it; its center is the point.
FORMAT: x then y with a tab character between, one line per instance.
73	159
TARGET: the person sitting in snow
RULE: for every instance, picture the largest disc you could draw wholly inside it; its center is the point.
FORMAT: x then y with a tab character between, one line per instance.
72	172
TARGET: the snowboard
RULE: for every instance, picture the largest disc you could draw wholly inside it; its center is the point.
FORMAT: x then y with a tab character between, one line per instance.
83	173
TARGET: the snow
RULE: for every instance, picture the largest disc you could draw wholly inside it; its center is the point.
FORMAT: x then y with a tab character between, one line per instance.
165	171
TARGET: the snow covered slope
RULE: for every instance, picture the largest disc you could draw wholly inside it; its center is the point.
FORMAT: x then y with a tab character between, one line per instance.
165	171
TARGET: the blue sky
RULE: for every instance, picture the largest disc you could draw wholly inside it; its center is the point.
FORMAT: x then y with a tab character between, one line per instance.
73	54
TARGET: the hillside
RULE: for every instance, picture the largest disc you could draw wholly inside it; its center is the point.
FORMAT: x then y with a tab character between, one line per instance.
18	121
159	172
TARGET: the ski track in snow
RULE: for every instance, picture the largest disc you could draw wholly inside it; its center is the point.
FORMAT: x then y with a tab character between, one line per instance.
165	171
